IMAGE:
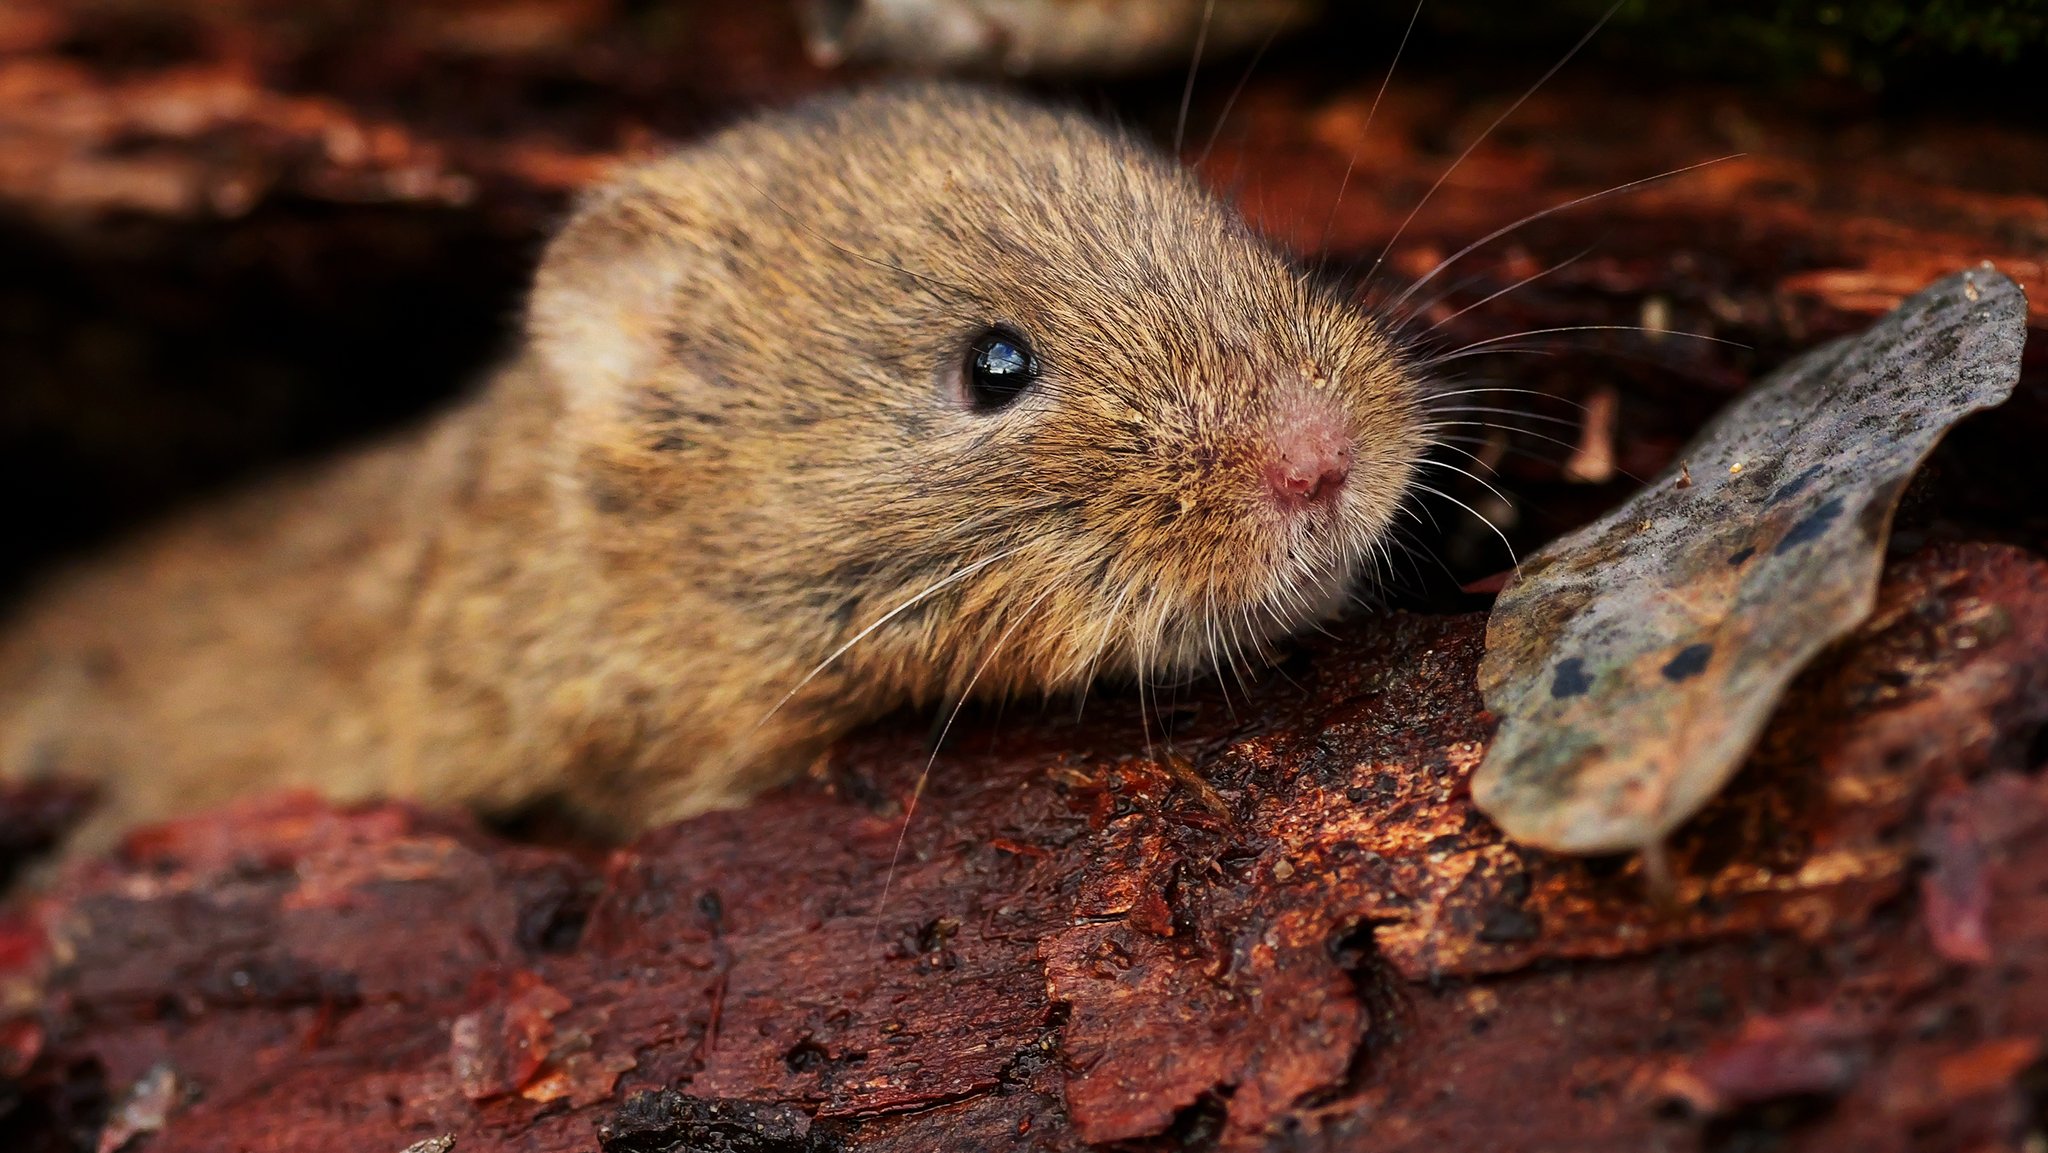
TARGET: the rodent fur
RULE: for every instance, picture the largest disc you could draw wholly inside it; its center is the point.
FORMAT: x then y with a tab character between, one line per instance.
729	443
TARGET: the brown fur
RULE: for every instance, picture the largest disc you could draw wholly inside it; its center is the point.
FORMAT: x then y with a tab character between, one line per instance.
734	441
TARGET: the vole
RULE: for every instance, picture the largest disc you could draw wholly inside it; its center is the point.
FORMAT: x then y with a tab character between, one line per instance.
893	397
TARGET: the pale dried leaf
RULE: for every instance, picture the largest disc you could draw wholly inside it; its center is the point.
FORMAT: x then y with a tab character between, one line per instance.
1634	662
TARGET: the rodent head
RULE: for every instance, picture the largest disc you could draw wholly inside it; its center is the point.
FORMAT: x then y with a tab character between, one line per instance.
1177	445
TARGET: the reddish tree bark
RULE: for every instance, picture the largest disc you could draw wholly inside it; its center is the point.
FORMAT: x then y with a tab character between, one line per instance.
1290	931
1257	917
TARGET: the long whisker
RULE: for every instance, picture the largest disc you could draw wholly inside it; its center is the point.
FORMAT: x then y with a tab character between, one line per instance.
1187	94
1210	145
1423	308
1492	410
1209	636
1505	542
1412	545
1393	64
1416	511
1435	396
1144	718
1481	138
1429	429
1452	443
1554	209
1475	477
917	790
863	634
1445	444
1330	221
1107	637
1514	349
1449	290
1493	340
1370	113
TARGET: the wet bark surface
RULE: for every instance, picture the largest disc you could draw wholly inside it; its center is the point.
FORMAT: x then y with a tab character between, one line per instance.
1243	916
1284	926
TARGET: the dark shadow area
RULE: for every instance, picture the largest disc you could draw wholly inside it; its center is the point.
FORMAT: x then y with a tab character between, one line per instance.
148	364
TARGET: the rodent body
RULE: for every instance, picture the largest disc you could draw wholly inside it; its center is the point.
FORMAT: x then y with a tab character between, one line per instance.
736	493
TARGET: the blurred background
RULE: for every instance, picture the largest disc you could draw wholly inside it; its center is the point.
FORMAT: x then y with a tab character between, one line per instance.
234	233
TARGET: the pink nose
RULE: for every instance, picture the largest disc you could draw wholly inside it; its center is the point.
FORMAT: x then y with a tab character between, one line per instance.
1311	460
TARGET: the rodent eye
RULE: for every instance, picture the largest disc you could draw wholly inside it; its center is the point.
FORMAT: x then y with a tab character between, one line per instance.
1000	366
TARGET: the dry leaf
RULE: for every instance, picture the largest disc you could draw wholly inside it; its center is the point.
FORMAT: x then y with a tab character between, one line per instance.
1634	662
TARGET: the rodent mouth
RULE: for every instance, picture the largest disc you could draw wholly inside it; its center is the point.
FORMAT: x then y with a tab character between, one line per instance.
1311	577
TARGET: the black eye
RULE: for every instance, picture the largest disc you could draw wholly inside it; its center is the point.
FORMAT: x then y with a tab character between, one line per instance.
1000	366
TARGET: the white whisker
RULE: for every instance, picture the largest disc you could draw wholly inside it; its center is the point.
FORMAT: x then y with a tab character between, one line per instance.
1435	396
1492	340
1370	113
1423	309
1481	138
1187	95
1560	442
1497	494
1224	117
1497	233
1493	410
892	614
1509	545
917	791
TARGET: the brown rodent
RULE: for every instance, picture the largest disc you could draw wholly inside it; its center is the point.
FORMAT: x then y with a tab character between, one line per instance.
889	398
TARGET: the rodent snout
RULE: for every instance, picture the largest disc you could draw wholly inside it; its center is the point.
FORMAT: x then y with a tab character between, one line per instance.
1311	460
